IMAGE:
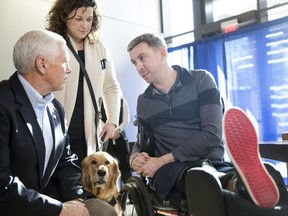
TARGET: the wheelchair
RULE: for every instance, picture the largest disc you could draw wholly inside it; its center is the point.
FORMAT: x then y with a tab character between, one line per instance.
138	197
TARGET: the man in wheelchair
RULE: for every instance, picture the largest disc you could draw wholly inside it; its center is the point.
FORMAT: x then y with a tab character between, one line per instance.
180	121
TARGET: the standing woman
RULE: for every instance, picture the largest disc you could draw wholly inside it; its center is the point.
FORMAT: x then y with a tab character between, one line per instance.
78	22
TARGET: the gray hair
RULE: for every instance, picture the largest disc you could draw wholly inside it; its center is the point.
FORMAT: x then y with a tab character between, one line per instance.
152	40
33	44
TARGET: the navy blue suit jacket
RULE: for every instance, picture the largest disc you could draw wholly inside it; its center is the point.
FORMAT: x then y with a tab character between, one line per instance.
24	190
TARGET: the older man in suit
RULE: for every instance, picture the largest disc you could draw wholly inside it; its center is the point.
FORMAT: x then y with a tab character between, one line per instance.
37	171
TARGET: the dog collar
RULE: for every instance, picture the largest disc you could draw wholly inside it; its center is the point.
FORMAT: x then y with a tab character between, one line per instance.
113	201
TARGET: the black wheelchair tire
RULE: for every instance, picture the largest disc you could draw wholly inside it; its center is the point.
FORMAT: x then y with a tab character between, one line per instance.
138	192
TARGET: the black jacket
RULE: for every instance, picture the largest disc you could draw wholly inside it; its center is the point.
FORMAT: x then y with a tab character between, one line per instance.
23	188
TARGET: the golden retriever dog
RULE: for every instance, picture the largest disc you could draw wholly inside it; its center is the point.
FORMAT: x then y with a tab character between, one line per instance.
100	174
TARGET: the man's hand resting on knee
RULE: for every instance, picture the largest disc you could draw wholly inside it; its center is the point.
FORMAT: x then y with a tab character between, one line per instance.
74	208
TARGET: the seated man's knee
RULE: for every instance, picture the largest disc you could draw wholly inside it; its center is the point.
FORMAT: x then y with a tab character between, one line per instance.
98	207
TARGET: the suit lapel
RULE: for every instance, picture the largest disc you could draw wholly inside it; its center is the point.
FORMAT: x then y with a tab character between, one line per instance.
58	137
28	114
36	133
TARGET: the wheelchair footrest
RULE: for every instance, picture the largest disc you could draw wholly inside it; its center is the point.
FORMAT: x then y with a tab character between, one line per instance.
167	212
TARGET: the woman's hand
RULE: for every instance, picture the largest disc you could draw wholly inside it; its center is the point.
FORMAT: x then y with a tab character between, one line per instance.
107	132
116	134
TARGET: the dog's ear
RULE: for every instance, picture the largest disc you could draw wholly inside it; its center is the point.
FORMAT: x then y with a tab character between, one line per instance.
85	181
115	171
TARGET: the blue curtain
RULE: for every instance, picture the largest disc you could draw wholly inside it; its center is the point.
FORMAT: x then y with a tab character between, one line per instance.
250	67
210	55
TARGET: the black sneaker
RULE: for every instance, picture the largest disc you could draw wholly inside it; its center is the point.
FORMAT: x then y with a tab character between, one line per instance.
204	193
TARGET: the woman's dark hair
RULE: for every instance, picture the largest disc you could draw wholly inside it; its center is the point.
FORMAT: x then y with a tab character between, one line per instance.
58	15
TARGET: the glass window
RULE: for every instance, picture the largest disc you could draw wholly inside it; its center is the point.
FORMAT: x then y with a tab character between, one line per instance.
178	21
271	3
181	16
257	77
226	8
182	56
277	12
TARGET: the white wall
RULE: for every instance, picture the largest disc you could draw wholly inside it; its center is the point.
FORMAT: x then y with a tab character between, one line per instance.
122	20
18	17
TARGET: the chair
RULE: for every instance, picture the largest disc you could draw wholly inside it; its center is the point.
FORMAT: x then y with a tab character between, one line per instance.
205	194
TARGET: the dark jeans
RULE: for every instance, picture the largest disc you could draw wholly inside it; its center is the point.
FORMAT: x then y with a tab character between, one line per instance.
119	150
